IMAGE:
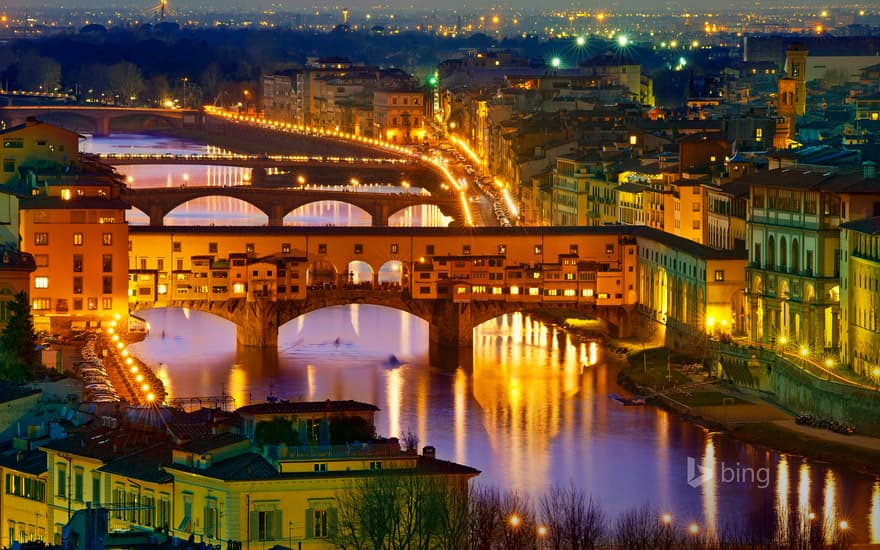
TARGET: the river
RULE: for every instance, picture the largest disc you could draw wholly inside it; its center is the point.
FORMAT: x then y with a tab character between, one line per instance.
532	412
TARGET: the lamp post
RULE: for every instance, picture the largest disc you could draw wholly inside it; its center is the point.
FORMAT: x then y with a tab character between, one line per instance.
804	353
876	373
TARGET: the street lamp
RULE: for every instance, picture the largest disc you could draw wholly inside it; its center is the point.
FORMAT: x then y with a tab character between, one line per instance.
514	521
876	373
542	532
804	352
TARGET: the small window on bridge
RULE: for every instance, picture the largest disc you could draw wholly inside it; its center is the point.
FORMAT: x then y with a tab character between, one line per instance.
502	249
394	248
175	246
358	249
212	248
285	248
466	249
13	144
322	248
573	249
538	249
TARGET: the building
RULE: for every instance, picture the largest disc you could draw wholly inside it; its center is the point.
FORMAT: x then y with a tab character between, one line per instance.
76	231
573	179
399	115
220	487
37	153
859	310
795	260
278	96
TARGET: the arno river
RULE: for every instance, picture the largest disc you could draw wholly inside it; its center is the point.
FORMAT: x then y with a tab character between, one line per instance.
534	410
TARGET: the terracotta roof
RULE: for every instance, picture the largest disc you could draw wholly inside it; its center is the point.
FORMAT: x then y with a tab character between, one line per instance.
210	443
145	466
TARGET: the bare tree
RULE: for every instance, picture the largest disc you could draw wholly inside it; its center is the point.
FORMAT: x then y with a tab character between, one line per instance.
125	79
572	520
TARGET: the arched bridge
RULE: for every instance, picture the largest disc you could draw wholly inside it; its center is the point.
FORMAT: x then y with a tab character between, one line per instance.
277	203
451	325
258	161
99	119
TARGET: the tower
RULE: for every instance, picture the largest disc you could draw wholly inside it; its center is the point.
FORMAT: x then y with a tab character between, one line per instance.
791	97
345	16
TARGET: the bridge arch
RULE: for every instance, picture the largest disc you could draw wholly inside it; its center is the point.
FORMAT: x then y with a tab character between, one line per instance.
316	212
360	274
322	273
237	211
392	272
141	121
424	215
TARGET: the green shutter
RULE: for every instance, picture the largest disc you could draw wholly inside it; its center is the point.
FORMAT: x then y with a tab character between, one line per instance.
205	521
254	527
332	521
310	523
277	524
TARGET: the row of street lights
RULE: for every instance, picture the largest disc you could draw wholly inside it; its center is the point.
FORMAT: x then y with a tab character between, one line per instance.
827	365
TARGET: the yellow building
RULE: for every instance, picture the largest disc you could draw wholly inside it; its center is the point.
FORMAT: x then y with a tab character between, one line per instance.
77	234
24	510
859	310
399	115
221	488
42	149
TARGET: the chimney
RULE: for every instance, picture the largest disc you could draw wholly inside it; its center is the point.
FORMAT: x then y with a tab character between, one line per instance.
869	170
428	451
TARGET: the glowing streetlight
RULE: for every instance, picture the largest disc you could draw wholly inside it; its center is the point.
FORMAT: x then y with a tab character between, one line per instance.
804	353
555	62
666	518
622	40
514	520
580	41
694	529
844	525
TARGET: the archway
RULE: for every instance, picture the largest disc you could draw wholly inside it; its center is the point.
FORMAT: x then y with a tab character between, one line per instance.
771	253
360	274
783	255
136	216
216	208
322	274
795	256
392	274
423	215
328	213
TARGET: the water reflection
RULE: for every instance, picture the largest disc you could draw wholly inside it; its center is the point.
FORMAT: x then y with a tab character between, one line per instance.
529	414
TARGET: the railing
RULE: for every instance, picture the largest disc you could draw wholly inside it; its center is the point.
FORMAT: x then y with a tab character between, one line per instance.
350	450
242	157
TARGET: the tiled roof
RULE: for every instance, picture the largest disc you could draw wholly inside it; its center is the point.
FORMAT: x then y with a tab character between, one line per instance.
29	462
293	407
145	466
238	468
210	443
870	226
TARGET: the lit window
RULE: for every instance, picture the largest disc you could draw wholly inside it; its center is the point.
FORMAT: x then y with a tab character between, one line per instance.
77	239
588	292
162	289
238	288
496	290
41	282
569	292
534	291
719	275
514	290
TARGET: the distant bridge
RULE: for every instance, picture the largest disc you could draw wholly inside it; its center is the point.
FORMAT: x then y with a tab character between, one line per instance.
99	119
158	202
258	161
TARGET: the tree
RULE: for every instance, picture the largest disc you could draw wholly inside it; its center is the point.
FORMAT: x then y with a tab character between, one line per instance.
125	79
345	429
573	521
275	432
18	339
38	73
402	510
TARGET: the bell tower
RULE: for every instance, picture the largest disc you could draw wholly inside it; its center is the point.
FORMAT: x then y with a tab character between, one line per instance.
791	97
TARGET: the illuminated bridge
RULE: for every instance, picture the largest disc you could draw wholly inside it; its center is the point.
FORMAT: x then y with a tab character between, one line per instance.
454	279
100	119
256	161
158	202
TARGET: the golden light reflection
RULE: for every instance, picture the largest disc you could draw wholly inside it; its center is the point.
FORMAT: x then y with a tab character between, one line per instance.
782	491
874	523
460	407
710	487
803	495
394	392
829	510
236	384
162	374
520	397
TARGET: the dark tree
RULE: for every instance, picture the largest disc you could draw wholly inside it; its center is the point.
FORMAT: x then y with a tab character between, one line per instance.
275	432
18	339
345	429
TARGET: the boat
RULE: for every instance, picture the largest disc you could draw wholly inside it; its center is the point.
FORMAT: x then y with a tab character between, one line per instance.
626	401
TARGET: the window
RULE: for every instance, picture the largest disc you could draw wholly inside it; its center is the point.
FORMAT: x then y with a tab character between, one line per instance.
266	525
107	239
77	285
249	248
175	246
9	165
160	264
696	207
211	517
466	249
719	274
148	512
502	249
320	524
539	249
61	486
107	284
609	249
77	304
321	467
163	512
107	263
212	248
696	224
285	248
394	248
42	304
107	303
429	249
96	488
42	260
77	263
358	249
322	248
13	143
41	239
77	239
41	282
78	484
93	304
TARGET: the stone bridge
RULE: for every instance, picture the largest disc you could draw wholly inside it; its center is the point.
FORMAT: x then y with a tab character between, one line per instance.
451	325
277	203
99	119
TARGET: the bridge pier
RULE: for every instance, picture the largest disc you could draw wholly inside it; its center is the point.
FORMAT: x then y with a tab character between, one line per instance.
276	217
157	215
258	326
102	126
451	336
